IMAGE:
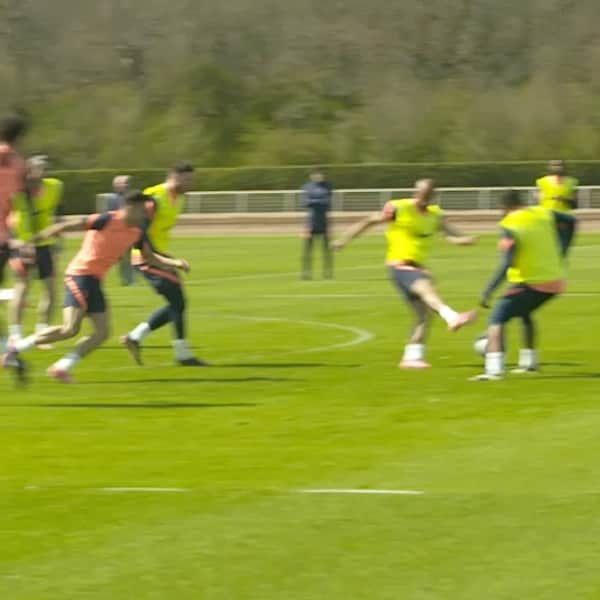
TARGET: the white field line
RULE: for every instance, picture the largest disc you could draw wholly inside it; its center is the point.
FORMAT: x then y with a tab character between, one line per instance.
360	335
366	492
151	490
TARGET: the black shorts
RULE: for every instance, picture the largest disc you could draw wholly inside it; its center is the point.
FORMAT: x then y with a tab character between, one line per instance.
43	261
4	257
85	292
163	282
520	301
405	277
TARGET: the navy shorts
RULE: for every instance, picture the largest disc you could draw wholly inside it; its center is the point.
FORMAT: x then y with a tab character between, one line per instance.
4	256
43	261
404	279
163	282
520	301
85	292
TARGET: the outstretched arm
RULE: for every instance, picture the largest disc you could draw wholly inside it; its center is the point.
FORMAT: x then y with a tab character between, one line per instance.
508	248
164	262
76	224
358	229
454	236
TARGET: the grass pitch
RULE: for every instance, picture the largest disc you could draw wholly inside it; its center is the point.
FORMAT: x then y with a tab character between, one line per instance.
304	393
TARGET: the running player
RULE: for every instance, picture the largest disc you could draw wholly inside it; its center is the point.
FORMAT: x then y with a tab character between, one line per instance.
168	201
534	242
412	224
12	172
34	210
557	191
109	236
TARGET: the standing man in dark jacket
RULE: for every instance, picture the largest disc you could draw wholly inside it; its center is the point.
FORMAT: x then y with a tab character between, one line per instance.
316	196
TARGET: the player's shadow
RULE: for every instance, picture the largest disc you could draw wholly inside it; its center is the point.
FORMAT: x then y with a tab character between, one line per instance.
142	405
568	376
171	380
292	365
542	366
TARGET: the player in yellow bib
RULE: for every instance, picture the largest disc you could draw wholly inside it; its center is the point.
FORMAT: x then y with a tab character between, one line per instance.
168	202
33	210
534	242
412	224
557	191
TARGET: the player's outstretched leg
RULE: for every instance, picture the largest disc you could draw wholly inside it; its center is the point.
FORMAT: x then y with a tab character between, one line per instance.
414	351
425	290
72	318
171	289
61	369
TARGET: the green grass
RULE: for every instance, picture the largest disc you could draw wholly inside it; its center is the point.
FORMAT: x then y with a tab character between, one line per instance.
509	469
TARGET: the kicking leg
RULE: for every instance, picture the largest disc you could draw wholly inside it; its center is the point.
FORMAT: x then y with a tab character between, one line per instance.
425	290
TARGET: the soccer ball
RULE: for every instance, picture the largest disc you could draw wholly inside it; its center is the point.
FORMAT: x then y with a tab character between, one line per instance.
480	344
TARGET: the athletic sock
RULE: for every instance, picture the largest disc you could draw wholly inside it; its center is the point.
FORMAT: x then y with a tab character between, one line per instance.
140	332
15	332
68	362
25	343
41	327
182	350
448	314
494	363
528	358
414	352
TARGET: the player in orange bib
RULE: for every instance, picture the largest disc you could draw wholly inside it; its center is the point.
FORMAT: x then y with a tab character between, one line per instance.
108	236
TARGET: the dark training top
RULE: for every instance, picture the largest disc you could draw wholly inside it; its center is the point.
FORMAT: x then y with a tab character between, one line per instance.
317	199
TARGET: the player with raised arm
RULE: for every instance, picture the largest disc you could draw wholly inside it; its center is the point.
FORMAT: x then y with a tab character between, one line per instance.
412	223
534	242
108	236
167	201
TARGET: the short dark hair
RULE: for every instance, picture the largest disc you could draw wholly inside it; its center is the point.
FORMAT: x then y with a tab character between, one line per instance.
315	170
136	197
183	167
12	128
511	199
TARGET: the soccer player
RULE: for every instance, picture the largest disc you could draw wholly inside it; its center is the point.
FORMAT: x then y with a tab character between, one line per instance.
168	201
12	173
412	223
108	236
317	195
34	210
557	191
534	242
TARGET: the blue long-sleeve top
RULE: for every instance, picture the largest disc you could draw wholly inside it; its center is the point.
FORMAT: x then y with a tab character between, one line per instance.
565	227
316	198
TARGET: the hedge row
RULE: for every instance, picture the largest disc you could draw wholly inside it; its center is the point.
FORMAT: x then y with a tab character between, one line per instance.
81	187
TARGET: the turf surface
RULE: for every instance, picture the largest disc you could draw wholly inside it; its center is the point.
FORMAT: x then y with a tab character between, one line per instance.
304	393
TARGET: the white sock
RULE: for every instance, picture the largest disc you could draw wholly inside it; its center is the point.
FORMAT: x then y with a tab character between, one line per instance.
40	327
6	295
182	350
494	363
15	332
68	362
26	343
528	358
414	352
448	314
140	332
